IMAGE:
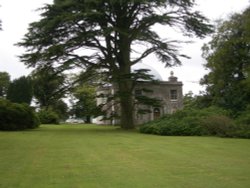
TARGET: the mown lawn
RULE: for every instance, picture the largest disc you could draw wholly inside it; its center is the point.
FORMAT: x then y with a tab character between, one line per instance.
88	156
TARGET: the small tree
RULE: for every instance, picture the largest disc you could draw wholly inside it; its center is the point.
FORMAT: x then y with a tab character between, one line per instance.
48	116
20	90
84	105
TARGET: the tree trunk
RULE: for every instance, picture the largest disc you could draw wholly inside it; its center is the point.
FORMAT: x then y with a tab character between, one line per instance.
88	119
126	103
125	85
124	75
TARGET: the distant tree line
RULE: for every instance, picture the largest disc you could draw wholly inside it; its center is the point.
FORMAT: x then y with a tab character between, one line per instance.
46	89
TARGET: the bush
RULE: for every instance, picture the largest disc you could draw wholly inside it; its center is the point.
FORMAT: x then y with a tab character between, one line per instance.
196	122
219	125
15	116
187	122
48	116
177	124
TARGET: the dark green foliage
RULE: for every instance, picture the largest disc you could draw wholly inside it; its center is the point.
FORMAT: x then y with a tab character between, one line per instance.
204	100
244	117
243	124
48	116
49	86
228	59
241	132
172	127
61	109
20	90
15	116
196	122
4	83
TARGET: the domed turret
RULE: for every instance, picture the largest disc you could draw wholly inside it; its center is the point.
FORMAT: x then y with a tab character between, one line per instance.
151	71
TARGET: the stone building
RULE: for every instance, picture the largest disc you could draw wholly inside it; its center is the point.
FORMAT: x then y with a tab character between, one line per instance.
168	92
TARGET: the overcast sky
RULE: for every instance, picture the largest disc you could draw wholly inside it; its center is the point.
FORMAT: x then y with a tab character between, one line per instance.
16	16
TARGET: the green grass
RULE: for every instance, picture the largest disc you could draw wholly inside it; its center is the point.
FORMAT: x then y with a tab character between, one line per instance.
85	156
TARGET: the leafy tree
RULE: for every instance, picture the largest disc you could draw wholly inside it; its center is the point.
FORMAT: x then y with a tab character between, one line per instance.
4	83
84	105
48	86
203	100
228	59
61	109
20	90
104	35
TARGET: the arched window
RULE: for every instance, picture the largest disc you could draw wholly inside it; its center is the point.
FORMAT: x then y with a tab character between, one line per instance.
157	113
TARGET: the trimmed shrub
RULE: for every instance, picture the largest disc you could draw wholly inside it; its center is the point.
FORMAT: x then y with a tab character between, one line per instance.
48	116
15	116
